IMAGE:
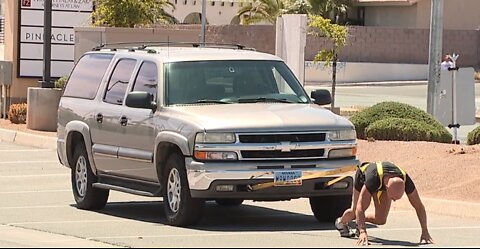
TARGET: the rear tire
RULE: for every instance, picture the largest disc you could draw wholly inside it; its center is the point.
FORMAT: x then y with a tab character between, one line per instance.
328	208
86	196
180	208
229	202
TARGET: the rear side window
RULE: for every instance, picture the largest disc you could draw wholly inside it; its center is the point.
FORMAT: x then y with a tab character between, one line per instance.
147	79
117	85
87	76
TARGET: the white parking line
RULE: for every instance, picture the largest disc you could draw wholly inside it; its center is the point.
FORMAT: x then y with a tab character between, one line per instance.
65	221
269	232
29	150
28	176
34	207
35	191
26	162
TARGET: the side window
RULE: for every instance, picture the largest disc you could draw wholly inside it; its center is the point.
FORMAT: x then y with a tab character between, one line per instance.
147	79
117	85
87	76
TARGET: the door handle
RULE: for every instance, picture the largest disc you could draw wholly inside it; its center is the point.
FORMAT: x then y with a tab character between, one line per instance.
123	121
99	118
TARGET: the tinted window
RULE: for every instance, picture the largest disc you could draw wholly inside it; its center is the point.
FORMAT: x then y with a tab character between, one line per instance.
87	76
117	85
147	79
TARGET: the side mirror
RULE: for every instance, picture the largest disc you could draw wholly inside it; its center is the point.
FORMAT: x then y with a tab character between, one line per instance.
321	97
141	100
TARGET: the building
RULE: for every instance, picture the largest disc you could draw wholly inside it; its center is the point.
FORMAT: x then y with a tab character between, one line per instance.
458	14
218	12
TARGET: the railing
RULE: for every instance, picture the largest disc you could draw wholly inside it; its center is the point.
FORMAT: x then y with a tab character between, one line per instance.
2	30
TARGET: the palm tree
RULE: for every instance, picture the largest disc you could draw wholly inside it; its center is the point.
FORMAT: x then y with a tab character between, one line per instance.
268	10
329	8
131	13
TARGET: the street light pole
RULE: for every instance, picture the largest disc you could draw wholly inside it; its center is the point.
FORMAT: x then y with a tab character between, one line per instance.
204	21
435	54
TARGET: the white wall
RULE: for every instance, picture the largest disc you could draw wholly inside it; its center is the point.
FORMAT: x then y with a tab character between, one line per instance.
365	72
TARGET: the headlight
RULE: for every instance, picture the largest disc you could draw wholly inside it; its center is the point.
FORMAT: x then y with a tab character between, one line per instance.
215	138
342	135
215	155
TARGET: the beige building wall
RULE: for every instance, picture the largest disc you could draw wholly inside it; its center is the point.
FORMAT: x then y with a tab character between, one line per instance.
402	17
18	90
218	13
458	15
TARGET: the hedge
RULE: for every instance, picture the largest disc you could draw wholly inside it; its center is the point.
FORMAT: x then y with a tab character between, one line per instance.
474	136
404	129
383	110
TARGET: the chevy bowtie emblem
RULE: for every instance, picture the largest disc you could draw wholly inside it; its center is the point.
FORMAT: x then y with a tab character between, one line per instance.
286	146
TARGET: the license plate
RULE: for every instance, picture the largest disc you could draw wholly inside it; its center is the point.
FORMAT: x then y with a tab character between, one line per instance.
287	178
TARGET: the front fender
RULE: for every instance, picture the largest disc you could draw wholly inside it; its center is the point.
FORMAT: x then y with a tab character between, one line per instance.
82	128
173	138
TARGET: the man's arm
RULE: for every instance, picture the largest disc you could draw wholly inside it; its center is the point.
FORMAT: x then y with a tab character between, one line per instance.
362	205
416	203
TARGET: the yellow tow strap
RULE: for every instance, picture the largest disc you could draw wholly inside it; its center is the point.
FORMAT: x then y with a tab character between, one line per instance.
313	176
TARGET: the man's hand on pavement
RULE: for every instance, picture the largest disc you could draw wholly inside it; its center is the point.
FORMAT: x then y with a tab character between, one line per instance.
362	239
426	237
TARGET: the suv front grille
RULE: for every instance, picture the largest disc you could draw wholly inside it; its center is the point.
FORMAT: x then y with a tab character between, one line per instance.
277	138
259	154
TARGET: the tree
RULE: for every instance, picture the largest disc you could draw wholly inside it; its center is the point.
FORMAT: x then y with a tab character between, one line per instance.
329	8
268	10
337	35
131	13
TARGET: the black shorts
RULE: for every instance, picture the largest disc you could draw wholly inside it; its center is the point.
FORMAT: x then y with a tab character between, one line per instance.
359	180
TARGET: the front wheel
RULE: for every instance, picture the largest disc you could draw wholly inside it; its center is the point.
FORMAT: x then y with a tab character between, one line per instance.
86	196
328	208
180	208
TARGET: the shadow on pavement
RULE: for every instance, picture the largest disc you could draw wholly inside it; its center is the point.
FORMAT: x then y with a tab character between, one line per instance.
216	218
386	242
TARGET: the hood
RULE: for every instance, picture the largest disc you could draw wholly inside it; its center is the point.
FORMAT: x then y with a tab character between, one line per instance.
260	117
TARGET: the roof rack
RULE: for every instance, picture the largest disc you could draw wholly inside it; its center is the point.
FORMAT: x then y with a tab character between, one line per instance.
144	46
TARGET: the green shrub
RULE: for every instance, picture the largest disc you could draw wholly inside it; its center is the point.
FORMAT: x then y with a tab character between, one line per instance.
61	82
404	129
474	136
17	113
383	110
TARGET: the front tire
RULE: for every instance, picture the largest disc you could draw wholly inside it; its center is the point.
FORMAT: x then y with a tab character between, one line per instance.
328	208
86	196
180	208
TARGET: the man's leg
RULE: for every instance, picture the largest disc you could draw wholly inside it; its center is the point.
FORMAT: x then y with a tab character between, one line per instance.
382	209
349	214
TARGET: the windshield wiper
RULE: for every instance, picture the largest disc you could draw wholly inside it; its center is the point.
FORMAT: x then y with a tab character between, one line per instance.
256	100
209	101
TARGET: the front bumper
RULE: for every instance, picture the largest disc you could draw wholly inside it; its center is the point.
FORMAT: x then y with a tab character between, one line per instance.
203	179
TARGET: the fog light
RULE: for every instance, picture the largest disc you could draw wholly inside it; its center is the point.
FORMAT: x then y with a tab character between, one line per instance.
339	153
340	185
224	188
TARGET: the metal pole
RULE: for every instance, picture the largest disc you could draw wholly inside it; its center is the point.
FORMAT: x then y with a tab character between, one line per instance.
435	54
454	99
47	45
204	21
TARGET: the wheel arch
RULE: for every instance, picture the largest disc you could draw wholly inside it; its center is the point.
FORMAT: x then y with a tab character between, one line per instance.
78	132
168	143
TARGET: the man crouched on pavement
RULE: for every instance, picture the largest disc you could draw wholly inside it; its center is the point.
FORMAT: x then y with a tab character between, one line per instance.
382	182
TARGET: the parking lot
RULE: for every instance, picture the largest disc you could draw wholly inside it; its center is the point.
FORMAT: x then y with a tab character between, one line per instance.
37	209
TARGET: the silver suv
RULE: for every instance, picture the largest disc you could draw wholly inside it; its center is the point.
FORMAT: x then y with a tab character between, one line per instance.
194	124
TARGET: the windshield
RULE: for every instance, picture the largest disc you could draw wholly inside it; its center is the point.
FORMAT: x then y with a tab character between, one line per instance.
225	82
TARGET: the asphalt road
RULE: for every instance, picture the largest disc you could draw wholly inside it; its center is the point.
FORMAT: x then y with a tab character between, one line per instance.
37	209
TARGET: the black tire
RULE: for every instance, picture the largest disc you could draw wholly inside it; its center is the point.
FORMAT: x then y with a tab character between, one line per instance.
328	208
86	197
229	202
185	211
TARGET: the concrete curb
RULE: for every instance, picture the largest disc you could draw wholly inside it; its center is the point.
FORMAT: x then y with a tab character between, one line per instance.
23	138
444	207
